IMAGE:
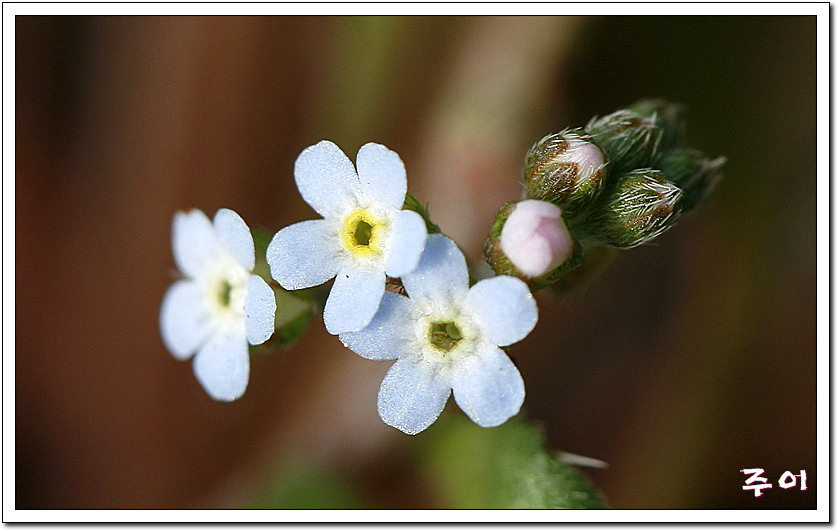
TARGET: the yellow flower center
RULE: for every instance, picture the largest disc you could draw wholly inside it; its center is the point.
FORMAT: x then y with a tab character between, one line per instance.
361	233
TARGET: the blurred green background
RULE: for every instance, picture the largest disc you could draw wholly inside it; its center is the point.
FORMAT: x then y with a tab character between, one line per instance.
688	360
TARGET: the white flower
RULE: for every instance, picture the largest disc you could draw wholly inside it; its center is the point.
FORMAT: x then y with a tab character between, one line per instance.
219	307
535	237
445	336
364	235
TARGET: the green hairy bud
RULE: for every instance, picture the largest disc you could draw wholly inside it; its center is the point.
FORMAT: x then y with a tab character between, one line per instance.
638	209
630	140
694	173
566	169
667	116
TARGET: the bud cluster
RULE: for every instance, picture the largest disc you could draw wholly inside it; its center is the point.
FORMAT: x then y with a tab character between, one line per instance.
620	182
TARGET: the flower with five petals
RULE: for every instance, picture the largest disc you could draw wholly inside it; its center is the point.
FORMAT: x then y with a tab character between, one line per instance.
445	336
364	235
220	306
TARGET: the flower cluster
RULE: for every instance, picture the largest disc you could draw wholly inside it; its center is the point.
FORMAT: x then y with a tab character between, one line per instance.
619	182
444	334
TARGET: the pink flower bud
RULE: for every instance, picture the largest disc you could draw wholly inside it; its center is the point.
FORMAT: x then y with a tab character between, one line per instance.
588	158
535	237
567	169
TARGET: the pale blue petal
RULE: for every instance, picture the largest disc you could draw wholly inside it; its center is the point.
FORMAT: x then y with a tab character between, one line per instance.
412	395
504	308
488	387
233	232
442	272
389	333
195	243
407	241
382	175
259	310
354	299
304	254
185	319
222	366
326	179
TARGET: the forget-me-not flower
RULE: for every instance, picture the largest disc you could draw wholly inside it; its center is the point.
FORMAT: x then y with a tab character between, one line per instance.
219	306
445	336
364	235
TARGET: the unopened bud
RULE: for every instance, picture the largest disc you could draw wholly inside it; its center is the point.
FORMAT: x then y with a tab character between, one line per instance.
667	117
630	140
694	173
638	209
530	240
565	168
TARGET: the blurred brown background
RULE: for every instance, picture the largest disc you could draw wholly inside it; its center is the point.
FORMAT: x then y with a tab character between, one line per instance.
688	360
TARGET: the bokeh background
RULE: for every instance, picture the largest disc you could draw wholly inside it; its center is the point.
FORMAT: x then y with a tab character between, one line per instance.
686	361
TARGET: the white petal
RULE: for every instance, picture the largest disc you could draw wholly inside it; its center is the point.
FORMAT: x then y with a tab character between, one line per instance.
389	333
233	231
441	273
412	395
259	310
382	175
326	178
185	320
407	241
354	299
222	366
488	387
303	255
195	243
504	308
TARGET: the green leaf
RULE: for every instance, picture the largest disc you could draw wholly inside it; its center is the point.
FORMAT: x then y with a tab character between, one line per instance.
507	467
294	309
304	484
411	203
261	240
